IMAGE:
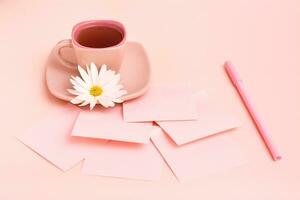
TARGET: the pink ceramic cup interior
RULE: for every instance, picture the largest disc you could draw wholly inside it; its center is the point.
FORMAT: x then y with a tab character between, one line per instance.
98	23
97	41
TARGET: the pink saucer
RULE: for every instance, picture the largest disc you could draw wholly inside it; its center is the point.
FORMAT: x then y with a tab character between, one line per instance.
135	73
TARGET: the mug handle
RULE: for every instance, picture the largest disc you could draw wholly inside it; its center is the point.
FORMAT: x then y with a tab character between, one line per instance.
57	52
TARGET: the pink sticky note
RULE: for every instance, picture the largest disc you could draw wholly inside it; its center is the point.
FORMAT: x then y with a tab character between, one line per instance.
162	103
194	160
109	124
51	138
125	160
212	119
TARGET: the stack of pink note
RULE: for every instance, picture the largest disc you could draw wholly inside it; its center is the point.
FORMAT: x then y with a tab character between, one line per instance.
123	141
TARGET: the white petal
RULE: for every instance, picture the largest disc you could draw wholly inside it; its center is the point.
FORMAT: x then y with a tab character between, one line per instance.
81	82
111	104
107	76
115	79
89	72
110	73
84	75
113	93
75	92
84	103
79	89
119	86
85	96
93	102
122	92
94	74
102	71
76	101
77	85
118	94
117	100
106	102
103	103
112	88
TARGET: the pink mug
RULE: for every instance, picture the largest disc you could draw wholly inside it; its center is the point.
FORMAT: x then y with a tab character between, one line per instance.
97	41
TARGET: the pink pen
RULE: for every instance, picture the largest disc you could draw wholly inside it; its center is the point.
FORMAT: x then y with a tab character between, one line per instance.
238	83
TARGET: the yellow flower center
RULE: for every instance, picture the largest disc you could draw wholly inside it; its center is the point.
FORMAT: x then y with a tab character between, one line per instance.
96	91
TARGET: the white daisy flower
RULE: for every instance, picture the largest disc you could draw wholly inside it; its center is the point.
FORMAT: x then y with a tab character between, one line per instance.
93	88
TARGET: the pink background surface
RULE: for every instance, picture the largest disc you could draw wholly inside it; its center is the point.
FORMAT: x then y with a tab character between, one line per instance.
193	39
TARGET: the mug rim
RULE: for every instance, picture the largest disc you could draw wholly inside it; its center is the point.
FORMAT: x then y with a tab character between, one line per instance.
94	23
